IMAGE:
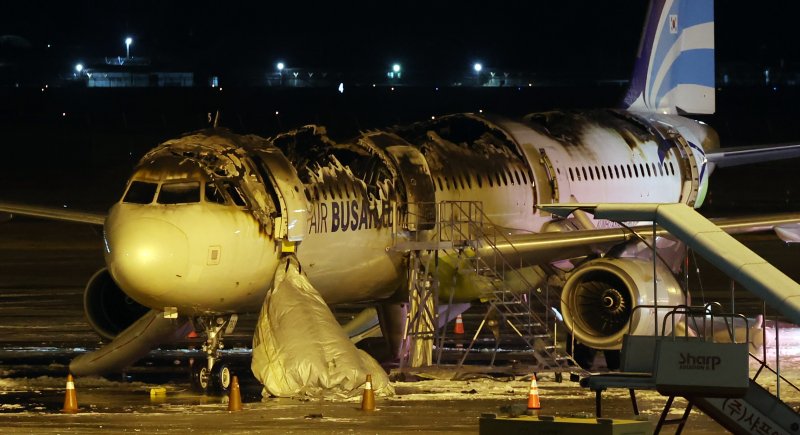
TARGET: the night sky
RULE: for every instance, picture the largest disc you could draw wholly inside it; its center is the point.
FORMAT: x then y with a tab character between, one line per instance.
553	36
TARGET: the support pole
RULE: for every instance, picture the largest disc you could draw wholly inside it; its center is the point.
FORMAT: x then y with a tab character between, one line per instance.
655	289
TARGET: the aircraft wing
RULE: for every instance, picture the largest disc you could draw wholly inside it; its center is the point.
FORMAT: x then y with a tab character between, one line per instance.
735	156
548	247
61	214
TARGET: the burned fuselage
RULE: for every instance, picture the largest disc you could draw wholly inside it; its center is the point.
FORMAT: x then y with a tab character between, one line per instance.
206	217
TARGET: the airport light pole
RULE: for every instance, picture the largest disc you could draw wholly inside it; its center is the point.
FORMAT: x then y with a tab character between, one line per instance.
128	42
280	67
478	67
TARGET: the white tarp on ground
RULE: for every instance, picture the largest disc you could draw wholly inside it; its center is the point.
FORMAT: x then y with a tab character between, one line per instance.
299	349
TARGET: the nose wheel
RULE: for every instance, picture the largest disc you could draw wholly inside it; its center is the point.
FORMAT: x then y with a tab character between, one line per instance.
213	376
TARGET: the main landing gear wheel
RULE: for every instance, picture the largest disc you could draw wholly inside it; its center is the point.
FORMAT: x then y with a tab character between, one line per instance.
221	378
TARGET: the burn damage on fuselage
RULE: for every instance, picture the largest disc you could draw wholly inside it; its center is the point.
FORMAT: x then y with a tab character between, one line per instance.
223	162
570	128
464	148
349	187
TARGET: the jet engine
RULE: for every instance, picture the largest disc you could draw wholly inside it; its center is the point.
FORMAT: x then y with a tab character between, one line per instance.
108	309
598	299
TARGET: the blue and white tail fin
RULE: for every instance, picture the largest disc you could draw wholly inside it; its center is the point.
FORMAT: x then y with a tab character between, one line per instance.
674	71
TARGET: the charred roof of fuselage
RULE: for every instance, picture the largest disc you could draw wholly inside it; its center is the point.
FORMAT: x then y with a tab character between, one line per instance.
310	147
469	131
568	126
215	152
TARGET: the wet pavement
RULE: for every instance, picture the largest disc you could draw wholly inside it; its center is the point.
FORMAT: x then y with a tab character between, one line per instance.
441	406
43	268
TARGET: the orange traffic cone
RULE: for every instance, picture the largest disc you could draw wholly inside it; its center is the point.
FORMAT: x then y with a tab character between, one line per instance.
368	397
533	395
70	398
235	396
459	328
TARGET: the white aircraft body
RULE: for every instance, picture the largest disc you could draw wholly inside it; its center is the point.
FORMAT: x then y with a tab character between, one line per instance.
206	219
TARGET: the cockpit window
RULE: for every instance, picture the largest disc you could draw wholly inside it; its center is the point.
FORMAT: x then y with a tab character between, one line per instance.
140	192
236	195
214	194
179	193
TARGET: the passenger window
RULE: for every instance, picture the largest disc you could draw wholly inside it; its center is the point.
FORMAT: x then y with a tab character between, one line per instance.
571	175
140	192
214	194
516	174
616	171
630	175
604	172
236	195
648	170
524	178
671	168
635	170
179	193
583	168
479	179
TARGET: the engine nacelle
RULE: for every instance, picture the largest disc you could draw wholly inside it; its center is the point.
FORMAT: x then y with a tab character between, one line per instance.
598	299
108	309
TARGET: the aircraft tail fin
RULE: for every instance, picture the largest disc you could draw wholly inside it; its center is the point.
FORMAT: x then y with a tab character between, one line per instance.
674	70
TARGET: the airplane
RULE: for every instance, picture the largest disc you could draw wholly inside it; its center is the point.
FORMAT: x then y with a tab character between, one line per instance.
209	223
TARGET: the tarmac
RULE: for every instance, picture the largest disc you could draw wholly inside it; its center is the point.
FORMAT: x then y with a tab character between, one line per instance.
43	268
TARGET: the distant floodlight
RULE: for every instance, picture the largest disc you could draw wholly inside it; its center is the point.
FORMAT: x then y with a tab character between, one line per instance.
79	68
341	88
128	42
396	67
280	66
477	67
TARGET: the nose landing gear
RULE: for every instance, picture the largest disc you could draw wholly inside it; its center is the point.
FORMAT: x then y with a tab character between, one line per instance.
214	376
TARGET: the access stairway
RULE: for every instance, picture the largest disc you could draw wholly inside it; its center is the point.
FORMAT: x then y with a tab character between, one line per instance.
710	375
689	367
517	313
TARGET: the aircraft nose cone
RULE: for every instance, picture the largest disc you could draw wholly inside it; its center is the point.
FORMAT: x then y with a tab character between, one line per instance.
147	257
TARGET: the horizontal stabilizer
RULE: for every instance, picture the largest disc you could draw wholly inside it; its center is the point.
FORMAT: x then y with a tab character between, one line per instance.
752	154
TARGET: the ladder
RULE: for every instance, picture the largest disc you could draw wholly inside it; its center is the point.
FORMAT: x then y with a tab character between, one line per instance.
512	302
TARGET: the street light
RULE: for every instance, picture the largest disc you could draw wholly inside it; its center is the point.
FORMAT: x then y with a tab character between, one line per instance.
79	68
396	67
280	67
128	42
477	67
